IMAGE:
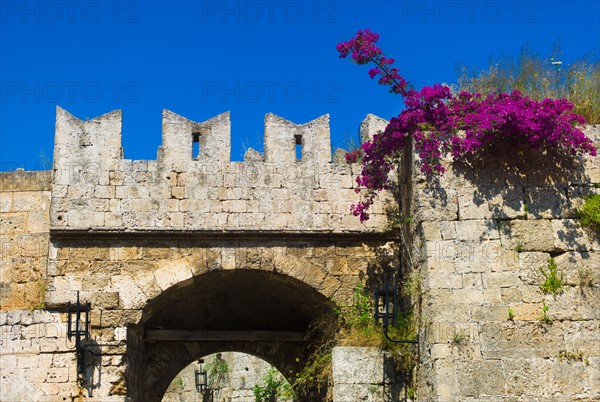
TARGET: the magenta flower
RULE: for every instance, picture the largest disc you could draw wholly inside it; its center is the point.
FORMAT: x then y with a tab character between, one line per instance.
433	117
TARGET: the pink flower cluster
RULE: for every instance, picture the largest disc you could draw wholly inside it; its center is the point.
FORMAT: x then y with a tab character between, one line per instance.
440	122
363	50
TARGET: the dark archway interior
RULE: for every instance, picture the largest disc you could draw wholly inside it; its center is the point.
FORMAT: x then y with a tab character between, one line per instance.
236	300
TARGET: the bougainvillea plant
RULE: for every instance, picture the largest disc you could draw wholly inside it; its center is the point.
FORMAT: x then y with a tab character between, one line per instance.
462	124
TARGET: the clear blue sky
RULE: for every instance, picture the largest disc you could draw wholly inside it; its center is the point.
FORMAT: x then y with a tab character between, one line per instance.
201	58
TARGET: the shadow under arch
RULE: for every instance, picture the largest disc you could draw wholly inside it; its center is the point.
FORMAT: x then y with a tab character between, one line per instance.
226	305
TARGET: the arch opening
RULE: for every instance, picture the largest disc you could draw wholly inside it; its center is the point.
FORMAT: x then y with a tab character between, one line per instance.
230	376
264	314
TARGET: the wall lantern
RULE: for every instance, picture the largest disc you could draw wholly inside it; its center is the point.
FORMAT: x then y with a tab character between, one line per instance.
387	308
78	326
201	381
201	377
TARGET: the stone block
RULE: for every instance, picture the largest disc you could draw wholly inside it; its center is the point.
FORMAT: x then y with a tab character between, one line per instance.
476	230
534	235
57	375
111	319
105	300
431	230
493	280
489	313
444	280
579	268
358	365
521	339
511	295
490	203
569	236
480	377
445	380
458	312
575	304
547	203
531	265
172	273
85	219
436	204
527	311
447	230
472	280
476	297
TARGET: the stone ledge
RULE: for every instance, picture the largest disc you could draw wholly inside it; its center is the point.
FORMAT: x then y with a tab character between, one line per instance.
26	180
98	234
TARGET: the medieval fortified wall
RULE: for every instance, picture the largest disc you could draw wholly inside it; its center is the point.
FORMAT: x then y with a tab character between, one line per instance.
171	251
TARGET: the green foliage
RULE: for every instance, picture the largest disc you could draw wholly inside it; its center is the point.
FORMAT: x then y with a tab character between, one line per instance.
519	248
353	325
273	384
511	314
395	218
316	371
217	372
572	356
589	214
411	286
502	226
179	382
553	283
545	317
539	78
458	338
360	313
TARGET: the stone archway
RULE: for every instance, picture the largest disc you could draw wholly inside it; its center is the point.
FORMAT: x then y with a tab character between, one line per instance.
265	314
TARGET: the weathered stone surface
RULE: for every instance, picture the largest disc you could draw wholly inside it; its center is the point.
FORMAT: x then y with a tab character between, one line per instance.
26	181
141	240
533	235
481	377
507	229
361	374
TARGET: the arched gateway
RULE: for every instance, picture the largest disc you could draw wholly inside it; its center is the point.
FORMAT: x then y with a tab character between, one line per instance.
192	254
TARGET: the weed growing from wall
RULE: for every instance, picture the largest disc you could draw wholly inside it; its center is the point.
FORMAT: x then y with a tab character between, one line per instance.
589	214
553	283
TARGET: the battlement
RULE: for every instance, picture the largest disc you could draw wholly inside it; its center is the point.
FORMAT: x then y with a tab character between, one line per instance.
210	140
193	185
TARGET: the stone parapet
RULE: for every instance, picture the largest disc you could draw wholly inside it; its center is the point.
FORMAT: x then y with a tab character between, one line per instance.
287	189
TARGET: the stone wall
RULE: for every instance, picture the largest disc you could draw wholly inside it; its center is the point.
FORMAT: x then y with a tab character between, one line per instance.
137	239
94	188
363	374
24	228
485	233
36	359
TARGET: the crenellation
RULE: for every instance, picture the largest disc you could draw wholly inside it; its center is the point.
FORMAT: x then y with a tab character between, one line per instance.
370	126
92	142
109	193
282	137
179	135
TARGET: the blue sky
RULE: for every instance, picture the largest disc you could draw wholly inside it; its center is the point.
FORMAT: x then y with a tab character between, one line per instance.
201	58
